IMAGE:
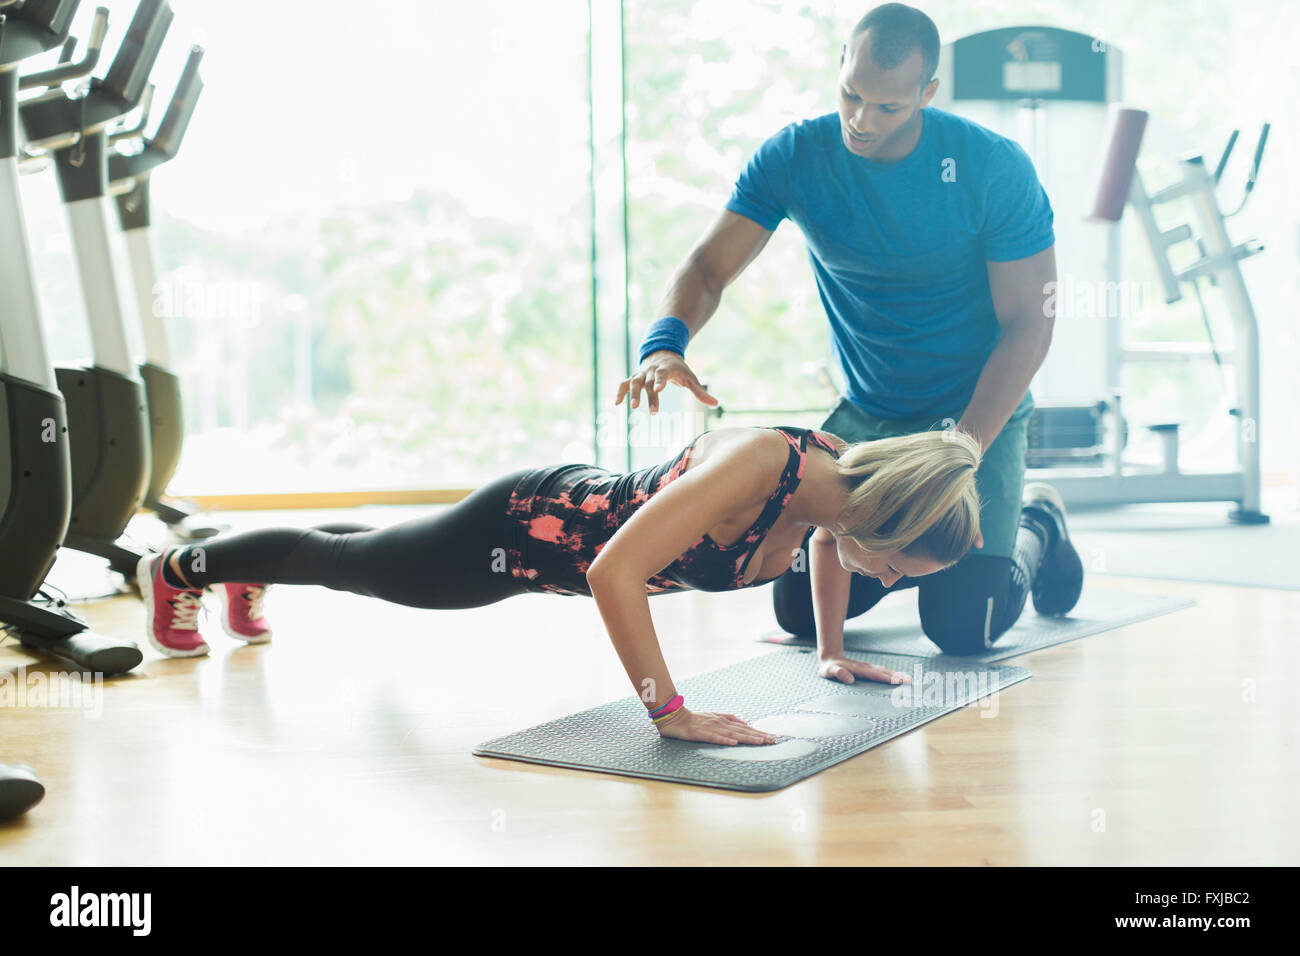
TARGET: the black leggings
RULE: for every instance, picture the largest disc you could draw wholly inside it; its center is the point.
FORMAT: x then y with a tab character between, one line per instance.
457	559
453	559
964	608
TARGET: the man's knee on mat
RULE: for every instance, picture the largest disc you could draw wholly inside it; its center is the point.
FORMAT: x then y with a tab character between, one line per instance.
960	630
960	609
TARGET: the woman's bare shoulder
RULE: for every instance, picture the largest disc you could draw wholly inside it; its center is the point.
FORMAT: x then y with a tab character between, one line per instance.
749	441
762	452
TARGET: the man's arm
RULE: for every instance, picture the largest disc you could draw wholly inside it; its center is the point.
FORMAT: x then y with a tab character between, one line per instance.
1021	299
731	243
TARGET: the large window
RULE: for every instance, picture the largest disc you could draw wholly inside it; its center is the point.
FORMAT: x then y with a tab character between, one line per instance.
374	245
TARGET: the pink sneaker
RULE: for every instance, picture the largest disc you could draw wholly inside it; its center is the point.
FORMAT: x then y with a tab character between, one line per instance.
241	614
172	625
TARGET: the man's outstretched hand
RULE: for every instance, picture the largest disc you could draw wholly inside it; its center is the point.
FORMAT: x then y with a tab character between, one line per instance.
659	369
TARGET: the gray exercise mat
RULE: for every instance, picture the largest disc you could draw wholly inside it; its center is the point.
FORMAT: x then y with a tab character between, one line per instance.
895	628
817	722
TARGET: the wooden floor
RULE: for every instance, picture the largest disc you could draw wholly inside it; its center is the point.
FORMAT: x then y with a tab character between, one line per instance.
347	740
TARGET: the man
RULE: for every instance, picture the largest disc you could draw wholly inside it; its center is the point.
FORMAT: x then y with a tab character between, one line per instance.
931	243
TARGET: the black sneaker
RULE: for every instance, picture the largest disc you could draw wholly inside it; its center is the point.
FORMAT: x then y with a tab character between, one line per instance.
1059	582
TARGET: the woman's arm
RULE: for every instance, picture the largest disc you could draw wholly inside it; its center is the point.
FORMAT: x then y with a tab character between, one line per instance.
831	585
831	582
732	482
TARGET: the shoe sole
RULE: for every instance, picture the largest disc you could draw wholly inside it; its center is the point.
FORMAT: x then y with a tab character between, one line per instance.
144	577
225	621
1030	497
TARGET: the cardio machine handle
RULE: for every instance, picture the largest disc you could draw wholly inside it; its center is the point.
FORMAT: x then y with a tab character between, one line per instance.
1254	171
1223	160
72	71
136	131
1259	153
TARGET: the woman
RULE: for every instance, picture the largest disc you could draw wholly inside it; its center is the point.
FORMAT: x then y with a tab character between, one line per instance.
729	511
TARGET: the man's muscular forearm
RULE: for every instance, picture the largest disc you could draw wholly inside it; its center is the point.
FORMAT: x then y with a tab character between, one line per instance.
691	297
1005	378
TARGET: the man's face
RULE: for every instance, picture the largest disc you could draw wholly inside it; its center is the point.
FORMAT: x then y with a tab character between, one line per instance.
879	109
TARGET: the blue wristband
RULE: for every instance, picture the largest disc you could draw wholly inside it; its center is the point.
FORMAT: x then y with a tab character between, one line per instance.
670	333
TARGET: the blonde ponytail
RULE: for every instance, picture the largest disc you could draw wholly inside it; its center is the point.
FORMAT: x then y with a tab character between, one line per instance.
913	493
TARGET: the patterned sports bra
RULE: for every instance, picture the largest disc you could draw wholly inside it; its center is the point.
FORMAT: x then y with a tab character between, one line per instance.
561	516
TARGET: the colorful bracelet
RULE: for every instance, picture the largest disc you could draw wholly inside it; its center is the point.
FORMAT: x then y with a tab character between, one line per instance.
666	709
664	704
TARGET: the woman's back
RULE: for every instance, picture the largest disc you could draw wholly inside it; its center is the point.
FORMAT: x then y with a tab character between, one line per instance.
561	516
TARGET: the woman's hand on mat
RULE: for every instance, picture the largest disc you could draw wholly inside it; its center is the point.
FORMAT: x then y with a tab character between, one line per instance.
658	369
712	729
847	671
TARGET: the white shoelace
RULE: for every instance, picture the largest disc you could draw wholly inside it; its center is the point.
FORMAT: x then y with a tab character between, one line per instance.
255	593
185	611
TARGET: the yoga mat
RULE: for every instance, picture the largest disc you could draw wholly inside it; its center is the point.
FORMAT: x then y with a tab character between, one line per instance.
818	722
895	628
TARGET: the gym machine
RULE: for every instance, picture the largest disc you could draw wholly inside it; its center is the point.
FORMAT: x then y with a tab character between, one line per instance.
1052	90
128	178
35	466
20	790
1217	261
106	403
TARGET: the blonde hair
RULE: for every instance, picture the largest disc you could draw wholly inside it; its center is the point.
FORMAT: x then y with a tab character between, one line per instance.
913	493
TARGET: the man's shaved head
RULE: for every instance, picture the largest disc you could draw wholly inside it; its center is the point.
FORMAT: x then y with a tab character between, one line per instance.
894	31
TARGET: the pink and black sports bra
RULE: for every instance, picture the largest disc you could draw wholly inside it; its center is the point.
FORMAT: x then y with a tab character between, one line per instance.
561	516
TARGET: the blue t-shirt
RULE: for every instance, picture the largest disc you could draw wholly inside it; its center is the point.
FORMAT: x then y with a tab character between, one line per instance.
899	249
